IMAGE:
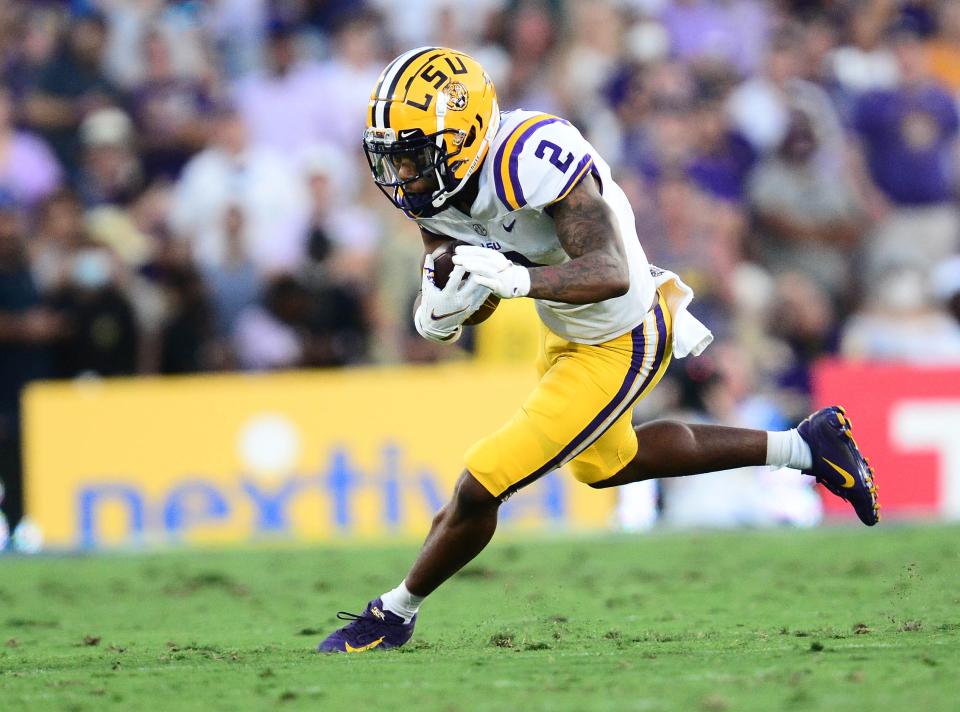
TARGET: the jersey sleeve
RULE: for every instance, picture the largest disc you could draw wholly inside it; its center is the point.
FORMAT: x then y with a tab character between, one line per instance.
540	162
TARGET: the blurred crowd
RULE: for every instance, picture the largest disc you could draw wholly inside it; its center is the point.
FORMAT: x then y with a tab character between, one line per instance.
182	187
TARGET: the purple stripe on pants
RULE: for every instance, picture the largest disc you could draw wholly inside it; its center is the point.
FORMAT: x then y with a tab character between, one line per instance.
636	363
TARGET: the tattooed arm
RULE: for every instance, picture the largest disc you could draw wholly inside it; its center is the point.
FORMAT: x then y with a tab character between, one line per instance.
597	269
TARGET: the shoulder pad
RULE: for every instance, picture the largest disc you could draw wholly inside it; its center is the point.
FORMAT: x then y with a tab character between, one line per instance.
540	161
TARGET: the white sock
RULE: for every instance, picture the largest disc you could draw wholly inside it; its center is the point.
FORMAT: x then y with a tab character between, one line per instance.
788	449
401	602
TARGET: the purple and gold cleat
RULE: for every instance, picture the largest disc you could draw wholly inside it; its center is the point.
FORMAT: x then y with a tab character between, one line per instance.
374	629
837	462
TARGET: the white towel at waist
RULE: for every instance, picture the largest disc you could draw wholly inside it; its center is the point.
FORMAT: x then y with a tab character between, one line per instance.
690	336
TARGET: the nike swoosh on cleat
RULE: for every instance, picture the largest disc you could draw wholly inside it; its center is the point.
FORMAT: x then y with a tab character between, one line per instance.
848	480
437	317
369	646
509	228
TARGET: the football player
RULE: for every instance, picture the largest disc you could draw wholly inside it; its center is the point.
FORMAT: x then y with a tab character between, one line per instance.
546	221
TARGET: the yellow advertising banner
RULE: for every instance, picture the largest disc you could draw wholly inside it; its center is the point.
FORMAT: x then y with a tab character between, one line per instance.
299	456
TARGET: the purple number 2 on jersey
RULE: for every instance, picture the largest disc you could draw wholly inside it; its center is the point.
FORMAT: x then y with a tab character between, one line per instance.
555	153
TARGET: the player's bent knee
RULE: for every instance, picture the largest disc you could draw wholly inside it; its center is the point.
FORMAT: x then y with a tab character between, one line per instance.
636	470
470	497
620	478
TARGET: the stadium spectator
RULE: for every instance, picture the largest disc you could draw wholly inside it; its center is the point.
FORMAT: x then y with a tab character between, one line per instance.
423	22
269	334
805	321
28	330
300	325
807	213
866	62
760	106
70	87
347	76
130	229
235	28
234	284
900	321
60	232
343	233
909	135
732	33
721	158
101	334
138	28
338	328
666	138
28	170
649	106
819	40
325	17
234	171
699	237
341	255
283	105
944	47
110	171
529	38
170	111
187	335
32	39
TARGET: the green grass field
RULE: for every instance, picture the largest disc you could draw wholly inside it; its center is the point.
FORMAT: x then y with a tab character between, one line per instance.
834	619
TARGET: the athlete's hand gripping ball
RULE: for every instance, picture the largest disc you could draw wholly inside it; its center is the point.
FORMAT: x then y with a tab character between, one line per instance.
442	311
494	271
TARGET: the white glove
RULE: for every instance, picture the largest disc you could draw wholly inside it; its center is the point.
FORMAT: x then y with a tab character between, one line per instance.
494	271
442	311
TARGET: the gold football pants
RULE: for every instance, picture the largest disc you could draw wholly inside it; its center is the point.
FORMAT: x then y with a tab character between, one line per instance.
579	414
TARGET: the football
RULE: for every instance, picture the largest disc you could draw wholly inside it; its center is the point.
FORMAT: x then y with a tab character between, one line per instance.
443	266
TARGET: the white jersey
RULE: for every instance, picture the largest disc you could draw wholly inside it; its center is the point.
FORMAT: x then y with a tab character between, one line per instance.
536	160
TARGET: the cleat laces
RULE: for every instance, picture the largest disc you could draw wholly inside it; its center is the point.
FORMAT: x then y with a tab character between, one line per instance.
365	623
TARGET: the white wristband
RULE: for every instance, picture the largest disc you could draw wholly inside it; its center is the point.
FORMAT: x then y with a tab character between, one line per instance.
521	286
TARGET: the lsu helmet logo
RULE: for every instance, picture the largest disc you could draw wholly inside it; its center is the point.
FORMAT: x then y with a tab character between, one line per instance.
433	113
457	96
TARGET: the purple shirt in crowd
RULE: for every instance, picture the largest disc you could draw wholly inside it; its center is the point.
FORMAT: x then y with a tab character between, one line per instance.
908	135
28	169
724	174
734	31
721	175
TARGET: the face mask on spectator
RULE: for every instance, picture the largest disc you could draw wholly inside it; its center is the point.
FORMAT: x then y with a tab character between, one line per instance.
91	269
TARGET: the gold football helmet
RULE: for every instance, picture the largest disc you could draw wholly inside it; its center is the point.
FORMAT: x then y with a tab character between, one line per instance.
437	108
